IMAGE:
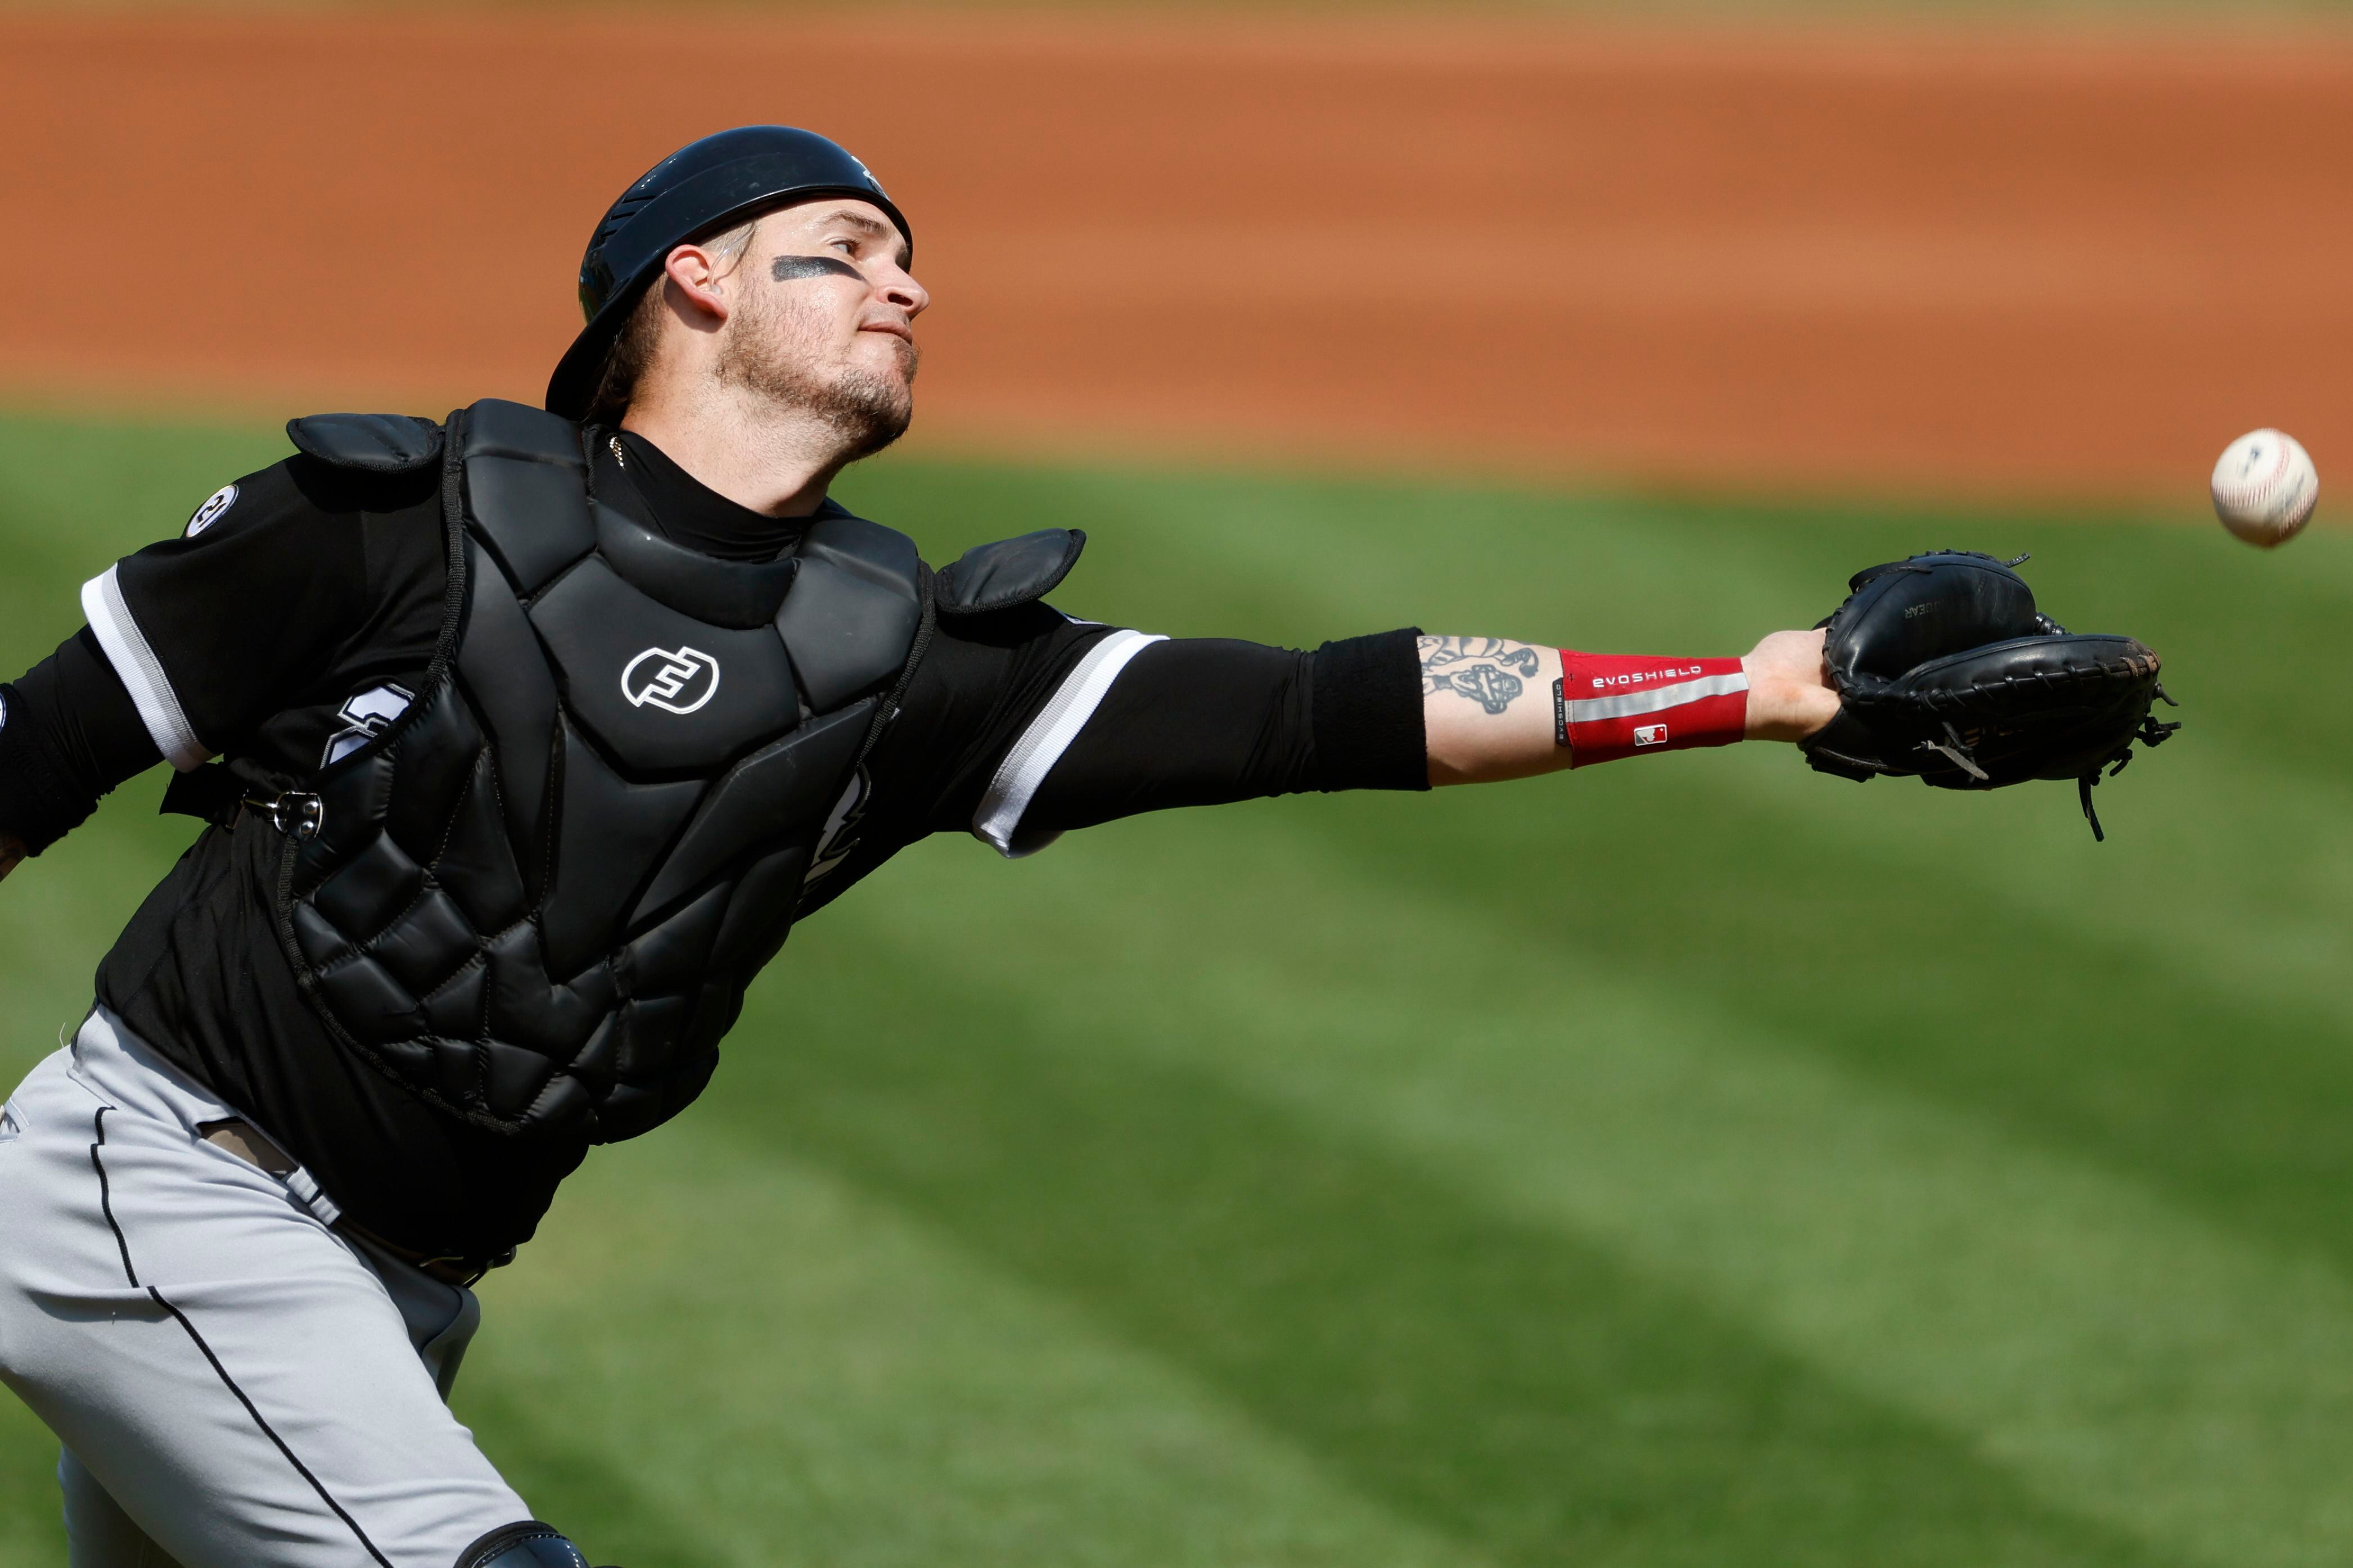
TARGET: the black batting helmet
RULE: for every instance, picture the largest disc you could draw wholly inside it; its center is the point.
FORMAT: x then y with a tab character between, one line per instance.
702	188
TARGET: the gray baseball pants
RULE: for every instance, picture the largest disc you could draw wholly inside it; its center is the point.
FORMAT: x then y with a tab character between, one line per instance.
236	1384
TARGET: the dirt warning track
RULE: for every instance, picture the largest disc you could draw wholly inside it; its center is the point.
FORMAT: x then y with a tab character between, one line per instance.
1954	263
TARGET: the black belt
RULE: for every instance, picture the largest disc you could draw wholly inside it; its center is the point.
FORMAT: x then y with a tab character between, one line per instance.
450	1269
246	1141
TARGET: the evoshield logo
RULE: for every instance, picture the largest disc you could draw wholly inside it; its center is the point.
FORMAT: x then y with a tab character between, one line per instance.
675	682
1636	677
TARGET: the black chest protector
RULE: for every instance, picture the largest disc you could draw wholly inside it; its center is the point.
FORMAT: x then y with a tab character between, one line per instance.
537	898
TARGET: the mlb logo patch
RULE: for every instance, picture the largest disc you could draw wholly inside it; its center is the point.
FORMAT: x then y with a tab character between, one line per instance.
1649	734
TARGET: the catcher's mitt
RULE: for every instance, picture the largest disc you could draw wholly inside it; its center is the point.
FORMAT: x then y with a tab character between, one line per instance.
1945	671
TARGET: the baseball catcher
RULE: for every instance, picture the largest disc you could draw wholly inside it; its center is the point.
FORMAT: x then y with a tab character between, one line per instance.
521	739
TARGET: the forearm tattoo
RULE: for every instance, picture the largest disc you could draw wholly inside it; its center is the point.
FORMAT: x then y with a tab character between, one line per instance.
12	854
1488	670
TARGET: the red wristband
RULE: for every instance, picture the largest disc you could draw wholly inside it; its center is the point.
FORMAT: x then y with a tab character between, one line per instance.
1609	705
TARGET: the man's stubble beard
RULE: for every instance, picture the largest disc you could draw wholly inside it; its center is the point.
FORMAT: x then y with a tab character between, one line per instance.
771	346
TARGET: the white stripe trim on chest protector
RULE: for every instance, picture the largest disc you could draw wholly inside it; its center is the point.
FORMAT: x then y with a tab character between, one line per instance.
1657	699
140	671
998	822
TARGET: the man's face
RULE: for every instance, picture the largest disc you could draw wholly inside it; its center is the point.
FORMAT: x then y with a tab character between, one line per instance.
824	319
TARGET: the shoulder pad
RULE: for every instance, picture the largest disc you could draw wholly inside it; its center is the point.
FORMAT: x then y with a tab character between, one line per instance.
378	443
1008	573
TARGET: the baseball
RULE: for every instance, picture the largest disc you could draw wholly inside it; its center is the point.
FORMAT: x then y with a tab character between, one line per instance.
2265	488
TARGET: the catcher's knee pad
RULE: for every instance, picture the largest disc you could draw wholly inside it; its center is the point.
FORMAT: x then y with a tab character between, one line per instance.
526	1543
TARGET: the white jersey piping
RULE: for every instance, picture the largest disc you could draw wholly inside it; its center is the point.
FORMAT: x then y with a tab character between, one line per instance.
998	822
140	671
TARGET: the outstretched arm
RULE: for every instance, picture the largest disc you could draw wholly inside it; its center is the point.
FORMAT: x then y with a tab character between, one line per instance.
1491	709
1044	741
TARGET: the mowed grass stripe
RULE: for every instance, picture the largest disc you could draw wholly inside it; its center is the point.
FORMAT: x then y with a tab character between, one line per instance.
1944	947
2121	1358
1496	1374
719	1356
2275	1396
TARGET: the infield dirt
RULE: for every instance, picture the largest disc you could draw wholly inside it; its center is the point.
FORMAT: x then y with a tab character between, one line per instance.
1949	262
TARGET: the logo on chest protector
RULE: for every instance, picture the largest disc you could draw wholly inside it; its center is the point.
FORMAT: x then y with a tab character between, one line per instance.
676	681
364	718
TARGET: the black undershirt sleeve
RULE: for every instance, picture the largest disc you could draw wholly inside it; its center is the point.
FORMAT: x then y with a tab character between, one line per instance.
1196	721
1199	721
69	733
1368	715
1188	723
1205	722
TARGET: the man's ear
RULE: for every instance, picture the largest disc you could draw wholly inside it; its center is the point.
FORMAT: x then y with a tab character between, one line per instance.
699	286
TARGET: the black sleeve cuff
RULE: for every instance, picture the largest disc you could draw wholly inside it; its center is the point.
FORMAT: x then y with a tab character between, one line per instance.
38	803
1367	713
71	732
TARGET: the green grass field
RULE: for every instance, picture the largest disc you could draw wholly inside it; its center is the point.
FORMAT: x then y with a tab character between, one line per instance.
1694	1161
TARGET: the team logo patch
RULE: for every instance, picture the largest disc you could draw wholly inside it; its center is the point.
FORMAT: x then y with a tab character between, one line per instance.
220	501
364	718
676	681
1649	734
